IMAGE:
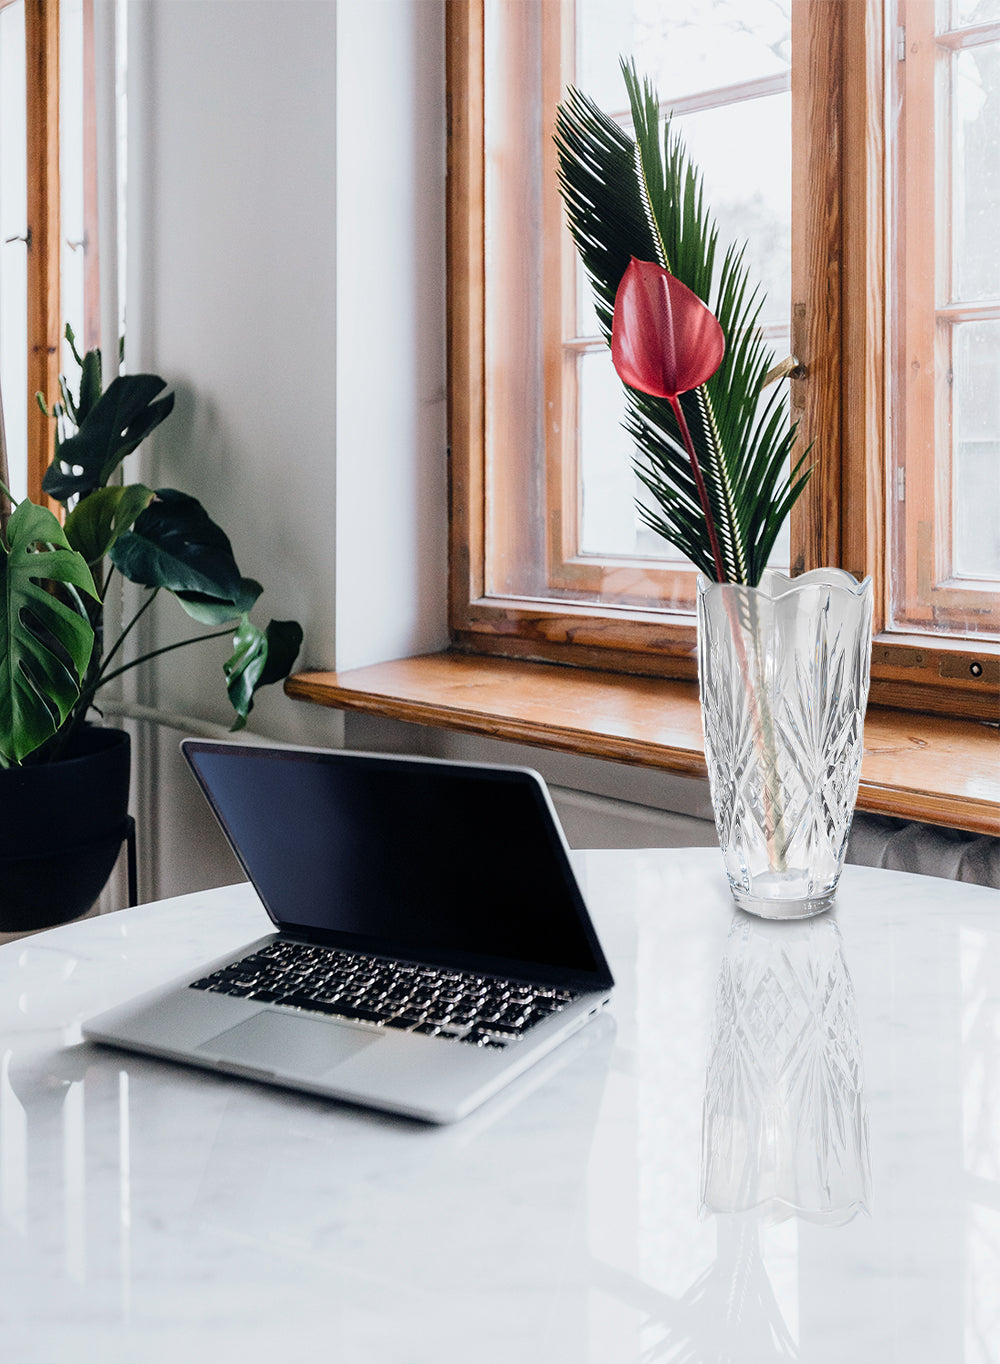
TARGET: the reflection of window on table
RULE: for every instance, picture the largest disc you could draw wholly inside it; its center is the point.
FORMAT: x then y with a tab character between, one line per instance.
48	215
979	964
945	492
784	107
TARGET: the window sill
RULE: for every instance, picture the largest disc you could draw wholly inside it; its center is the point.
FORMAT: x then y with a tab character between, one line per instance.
924	767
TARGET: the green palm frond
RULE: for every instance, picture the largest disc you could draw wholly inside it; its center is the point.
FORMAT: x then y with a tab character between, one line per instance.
643	197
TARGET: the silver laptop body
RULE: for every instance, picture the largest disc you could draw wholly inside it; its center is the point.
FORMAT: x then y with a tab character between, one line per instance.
431	939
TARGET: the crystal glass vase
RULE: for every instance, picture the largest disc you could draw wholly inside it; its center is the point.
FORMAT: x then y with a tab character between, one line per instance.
783	673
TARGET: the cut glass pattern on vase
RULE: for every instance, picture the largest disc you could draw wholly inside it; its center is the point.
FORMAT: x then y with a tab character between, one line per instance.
785	1125
783	673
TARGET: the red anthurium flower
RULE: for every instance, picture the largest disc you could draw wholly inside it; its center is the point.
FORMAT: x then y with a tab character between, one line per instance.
664	341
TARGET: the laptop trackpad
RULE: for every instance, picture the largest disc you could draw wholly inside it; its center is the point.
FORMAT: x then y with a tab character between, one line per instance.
287	1045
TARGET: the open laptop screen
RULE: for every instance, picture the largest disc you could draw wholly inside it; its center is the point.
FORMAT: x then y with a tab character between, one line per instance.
446	863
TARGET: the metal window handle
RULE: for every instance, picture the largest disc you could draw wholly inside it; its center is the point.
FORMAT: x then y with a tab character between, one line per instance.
792	368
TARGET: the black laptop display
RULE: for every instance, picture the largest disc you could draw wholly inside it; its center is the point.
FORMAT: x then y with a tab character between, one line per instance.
432	941
440	861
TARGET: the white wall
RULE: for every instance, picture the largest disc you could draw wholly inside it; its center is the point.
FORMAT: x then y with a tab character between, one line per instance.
286	275
391	417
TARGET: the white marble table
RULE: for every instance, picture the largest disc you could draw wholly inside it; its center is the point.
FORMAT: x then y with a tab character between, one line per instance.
151	1213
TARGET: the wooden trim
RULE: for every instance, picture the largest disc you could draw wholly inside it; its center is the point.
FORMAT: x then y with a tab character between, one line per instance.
926	768
921	404
864	414
558	305
41	41
817	252
961	38
465	301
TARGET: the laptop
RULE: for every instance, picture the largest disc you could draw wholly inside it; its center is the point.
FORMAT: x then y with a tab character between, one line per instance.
431	941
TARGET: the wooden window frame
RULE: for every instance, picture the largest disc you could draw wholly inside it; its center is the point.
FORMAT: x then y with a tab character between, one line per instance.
839	334
44	319
43	245
925	325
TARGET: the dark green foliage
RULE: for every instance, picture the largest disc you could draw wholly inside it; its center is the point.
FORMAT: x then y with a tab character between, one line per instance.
53	655
45	642
114	426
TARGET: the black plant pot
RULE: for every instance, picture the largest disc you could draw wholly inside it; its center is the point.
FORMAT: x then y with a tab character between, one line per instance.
62	826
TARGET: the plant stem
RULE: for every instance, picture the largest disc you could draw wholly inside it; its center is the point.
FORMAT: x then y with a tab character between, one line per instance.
760	719
713	539
166	649
100	676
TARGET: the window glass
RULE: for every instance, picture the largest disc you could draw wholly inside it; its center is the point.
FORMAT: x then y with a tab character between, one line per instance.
977	450
976	173
732	143
965	13
562	518
685	47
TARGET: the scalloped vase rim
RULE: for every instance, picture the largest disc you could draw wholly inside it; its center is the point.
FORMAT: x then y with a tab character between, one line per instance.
774	584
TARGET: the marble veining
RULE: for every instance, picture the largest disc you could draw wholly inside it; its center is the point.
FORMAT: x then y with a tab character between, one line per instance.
150	1212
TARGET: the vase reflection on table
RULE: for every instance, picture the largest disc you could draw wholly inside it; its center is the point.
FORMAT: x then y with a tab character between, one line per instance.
785	1124
783	673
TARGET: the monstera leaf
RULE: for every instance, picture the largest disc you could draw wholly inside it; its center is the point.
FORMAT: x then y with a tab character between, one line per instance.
123	416
45	642
260	657
220	610
175	544
100	519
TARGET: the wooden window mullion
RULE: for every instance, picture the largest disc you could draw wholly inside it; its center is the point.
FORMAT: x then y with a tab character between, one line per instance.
817	257
41	33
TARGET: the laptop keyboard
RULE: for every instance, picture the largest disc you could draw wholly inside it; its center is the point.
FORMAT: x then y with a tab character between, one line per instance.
485	1011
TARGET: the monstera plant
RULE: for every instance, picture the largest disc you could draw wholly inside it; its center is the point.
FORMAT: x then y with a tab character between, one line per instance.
55	577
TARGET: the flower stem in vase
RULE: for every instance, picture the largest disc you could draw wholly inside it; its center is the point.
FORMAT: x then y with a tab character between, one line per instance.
763	722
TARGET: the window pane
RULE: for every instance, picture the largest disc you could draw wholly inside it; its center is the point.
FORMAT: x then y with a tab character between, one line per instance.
977	450
744	152
684	47
561	487
749	207
965	13
514	288
13	256
608	521
976	94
